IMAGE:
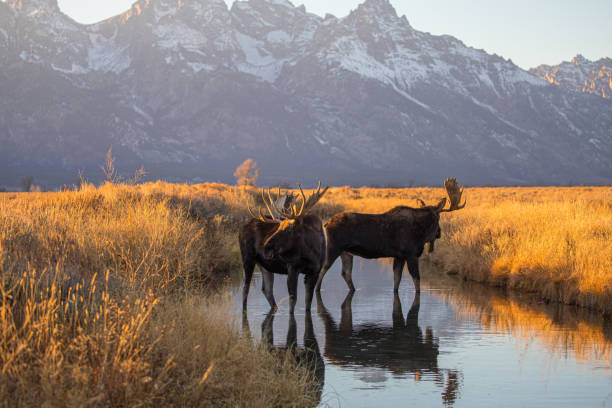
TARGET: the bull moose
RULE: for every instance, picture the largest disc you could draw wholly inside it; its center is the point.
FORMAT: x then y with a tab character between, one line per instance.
288	241
400	233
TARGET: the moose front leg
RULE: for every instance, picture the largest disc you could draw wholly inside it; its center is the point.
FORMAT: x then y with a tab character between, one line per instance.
413	268
249	266
292	280
309	285
398	266
267	288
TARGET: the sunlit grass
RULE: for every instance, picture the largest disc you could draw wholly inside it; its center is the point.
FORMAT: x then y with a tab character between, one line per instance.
106	298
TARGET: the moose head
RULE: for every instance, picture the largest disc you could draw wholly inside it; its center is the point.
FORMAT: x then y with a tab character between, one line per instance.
298	232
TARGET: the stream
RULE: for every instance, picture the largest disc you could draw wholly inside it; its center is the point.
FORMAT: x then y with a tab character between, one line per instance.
458	343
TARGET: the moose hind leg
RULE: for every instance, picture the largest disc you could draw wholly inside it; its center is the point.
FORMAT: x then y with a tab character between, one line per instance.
398	266
267	287
347	270
330	257
413	268
292	280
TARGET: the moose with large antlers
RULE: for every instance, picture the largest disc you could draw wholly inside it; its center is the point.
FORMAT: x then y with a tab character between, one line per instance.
288	241
401	233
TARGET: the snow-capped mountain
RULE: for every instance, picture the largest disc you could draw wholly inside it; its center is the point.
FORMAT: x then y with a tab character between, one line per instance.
580	74
190	88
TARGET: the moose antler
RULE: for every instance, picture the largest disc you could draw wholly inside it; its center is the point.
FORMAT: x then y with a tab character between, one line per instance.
261	217
307	204
454	193
272	206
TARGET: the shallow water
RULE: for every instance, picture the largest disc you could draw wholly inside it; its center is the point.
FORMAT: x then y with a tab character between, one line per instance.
457	344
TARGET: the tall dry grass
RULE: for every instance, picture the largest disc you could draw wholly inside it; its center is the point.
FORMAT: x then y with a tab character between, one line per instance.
105	301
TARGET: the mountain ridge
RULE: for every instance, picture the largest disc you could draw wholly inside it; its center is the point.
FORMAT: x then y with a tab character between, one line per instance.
190	88
580	74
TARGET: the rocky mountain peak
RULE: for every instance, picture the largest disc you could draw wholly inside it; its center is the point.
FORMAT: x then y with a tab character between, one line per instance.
580	74
579	60
285	3
381	8
30	6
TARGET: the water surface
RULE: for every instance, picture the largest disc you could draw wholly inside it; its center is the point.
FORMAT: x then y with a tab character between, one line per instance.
457	344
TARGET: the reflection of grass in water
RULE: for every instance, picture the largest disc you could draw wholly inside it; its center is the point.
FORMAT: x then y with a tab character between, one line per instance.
563	329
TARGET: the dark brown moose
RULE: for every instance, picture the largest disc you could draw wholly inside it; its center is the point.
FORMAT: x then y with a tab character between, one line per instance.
249	243
288	241
401	233
400	349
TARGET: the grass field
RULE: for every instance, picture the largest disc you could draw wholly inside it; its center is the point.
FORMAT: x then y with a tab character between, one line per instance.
114	295
108	299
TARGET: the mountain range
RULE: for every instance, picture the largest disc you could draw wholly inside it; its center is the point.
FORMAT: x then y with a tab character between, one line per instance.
189	89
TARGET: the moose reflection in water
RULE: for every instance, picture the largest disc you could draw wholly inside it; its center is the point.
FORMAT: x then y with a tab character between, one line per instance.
402	349
308	356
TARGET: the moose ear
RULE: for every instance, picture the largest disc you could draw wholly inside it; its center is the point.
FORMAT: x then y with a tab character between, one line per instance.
441	205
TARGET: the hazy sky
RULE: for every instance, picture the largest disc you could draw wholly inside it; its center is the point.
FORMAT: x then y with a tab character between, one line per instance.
530	32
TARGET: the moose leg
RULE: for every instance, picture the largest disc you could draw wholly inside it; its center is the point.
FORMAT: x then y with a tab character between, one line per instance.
267	329
398	266
398	315
249	265
346	317
267	287
347	270
332	255
309	284
413	268
292	280
291	333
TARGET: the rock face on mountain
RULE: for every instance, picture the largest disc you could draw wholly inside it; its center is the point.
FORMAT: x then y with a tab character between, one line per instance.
190	88
580	74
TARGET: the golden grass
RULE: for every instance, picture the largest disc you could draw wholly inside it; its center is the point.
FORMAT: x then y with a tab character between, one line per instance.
103	303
